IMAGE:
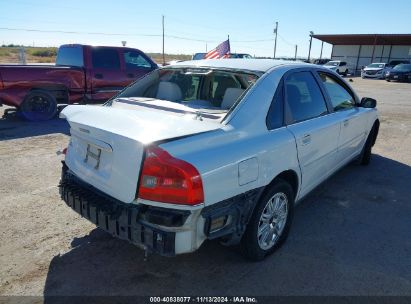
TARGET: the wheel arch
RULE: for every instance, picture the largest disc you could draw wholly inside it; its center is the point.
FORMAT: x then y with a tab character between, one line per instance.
59	91
242	207
289	176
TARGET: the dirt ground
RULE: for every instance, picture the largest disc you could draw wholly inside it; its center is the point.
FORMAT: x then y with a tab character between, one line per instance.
350	237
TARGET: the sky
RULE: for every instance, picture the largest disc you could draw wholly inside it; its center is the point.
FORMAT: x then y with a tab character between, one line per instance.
197	26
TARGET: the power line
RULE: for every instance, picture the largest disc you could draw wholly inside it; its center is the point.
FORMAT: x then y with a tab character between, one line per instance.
258	40
123	34
74	32
100	33
285	41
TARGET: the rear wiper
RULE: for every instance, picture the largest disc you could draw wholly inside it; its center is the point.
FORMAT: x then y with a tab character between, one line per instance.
198	116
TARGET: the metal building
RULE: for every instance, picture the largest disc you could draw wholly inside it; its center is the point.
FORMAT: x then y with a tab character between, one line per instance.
359	50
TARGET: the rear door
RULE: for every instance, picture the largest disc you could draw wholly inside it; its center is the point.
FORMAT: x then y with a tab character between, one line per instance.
315	131
136	65
107	77
349	116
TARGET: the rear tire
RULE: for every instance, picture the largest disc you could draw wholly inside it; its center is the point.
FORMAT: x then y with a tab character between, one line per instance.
39	105
346	73
270	222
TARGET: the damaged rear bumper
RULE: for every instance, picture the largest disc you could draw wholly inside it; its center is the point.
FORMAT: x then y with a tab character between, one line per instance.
119	219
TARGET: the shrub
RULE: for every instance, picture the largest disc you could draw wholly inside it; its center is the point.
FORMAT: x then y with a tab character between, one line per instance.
45	53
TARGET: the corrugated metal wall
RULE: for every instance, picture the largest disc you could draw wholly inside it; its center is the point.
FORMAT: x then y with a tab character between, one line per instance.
358	56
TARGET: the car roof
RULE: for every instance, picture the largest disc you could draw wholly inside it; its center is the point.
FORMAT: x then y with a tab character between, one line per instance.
260	65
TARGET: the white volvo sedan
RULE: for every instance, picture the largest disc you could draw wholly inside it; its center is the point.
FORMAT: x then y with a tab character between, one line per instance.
213	149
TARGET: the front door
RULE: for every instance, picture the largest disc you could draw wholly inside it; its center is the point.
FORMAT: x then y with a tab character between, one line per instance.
352	134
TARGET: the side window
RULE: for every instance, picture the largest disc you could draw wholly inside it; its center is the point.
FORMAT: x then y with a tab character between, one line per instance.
341	99
135	60
275	116
105	58
304	99
70	55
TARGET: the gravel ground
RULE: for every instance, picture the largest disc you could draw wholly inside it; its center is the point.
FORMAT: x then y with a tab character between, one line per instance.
351	236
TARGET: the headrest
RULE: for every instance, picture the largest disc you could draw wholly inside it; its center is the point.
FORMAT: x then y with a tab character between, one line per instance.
169	91
230	97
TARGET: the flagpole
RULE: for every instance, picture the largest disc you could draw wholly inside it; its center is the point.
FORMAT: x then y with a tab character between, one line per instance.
164	60
275	41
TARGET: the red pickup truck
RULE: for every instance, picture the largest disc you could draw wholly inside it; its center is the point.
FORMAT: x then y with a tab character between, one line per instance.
82	74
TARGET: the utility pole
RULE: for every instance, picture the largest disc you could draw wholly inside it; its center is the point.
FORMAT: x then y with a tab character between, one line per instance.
311	41
275	41
322	45
22	55
295	56
164	60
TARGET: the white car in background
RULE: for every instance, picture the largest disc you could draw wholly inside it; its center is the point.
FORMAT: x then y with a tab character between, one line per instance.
374	70
213	149
340	67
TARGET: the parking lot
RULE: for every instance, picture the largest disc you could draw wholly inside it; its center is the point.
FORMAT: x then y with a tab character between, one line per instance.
351	236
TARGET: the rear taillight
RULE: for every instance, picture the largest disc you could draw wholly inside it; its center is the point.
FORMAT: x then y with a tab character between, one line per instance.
169	180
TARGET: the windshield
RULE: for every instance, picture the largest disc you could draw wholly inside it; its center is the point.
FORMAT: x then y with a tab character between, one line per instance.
333	63
194	89
403	67
376	65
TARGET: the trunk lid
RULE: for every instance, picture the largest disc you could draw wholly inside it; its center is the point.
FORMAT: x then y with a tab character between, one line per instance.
107	144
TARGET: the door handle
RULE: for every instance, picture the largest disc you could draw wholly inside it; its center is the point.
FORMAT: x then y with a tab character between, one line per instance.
130	75
346	122
306	139
98	76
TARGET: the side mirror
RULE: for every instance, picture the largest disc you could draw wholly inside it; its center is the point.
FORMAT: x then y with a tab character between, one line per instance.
368	102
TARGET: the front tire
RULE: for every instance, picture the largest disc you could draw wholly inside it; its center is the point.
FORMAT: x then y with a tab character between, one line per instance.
270	222
366	152
39	105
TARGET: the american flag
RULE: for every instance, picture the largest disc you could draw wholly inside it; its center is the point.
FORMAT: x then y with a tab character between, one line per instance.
221	51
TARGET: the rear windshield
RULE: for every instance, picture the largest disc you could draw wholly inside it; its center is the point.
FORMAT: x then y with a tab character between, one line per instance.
70	56
194	88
